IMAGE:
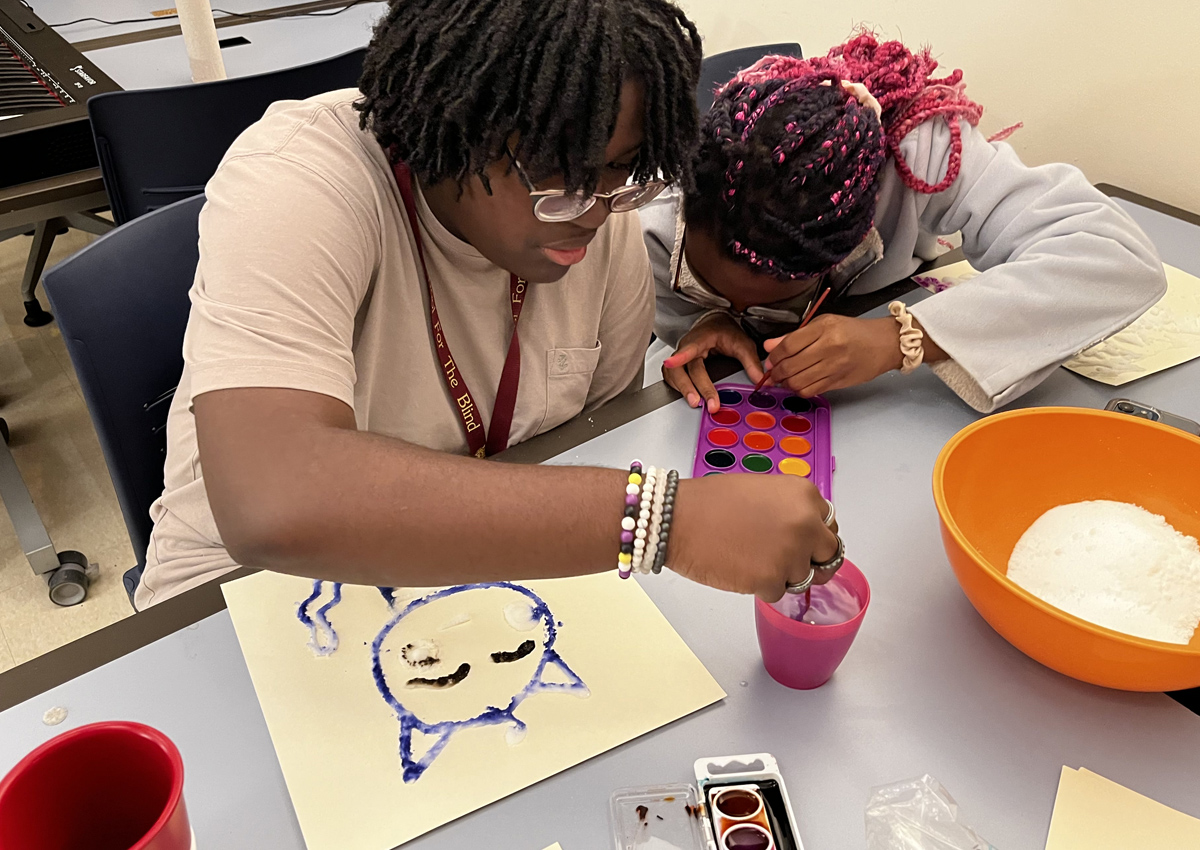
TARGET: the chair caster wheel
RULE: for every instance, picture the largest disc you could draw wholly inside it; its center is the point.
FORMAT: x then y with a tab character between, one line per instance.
69	583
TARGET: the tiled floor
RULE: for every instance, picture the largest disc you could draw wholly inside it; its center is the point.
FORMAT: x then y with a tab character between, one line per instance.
60	459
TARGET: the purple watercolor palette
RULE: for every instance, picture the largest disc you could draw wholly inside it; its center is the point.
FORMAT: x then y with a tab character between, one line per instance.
771	432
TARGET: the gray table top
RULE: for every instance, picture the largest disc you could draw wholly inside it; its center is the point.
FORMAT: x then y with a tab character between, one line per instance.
927	687
141	15
274	44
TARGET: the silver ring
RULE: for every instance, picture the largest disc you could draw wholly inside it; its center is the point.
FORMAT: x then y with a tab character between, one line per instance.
801	586
835	563
831	566
829	518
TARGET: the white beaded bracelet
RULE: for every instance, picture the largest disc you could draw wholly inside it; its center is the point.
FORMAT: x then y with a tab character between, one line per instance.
655	525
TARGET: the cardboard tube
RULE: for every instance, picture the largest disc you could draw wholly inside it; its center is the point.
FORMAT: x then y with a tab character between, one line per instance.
200	39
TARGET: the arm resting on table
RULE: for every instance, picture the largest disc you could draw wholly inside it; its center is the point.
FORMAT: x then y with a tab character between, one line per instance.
294	487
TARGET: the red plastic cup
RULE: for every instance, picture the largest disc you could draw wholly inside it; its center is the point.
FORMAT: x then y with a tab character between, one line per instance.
105	786
801	655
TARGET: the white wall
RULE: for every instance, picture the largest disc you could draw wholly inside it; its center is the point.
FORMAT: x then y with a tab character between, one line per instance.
1111	87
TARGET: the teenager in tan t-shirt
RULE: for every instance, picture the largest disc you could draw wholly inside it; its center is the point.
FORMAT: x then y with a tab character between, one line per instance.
330	422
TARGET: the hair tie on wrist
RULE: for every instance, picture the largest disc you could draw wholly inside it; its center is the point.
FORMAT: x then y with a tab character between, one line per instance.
911	345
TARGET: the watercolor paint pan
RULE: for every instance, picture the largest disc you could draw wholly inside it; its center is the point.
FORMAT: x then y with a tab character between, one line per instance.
768	825
739	817
701	817
771	432
772	820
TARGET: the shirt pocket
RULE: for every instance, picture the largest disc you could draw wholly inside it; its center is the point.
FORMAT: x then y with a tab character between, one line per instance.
569	374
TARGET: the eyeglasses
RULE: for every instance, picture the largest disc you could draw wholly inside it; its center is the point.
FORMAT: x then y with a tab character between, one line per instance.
691	289
553	205
839	279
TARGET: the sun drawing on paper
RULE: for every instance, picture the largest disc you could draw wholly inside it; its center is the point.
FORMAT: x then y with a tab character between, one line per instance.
459	658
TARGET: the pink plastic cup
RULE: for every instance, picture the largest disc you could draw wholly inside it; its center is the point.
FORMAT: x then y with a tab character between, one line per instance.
105	786
803	656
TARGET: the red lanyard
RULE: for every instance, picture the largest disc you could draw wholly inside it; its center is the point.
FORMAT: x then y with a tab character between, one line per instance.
480	443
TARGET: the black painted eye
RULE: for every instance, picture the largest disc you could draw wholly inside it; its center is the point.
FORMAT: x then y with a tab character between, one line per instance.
447	681
516	655
420	654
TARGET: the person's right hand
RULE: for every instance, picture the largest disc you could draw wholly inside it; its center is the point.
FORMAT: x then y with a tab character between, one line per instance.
749	533
685	370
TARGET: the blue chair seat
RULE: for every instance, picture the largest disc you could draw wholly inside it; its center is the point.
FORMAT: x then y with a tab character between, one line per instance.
157	146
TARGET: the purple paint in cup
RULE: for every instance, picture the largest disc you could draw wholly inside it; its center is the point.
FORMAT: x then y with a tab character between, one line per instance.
801	655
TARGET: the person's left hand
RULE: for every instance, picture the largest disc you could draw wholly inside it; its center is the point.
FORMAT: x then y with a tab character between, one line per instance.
833	352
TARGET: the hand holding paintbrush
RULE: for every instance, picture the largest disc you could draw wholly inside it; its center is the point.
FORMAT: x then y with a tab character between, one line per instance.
824	352
812	311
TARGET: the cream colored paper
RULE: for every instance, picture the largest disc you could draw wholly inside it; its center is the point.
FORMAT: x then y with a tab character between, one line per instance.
1164	336
338	741
1094	813
554	846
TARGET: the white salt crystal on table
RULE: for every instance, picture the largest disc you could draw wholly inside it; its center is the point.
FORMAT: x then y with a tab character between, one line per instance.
1113	564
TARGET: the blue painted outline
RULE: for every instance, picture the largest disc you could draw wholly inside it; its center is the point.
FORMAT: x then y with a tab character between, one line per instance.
322	636
491	716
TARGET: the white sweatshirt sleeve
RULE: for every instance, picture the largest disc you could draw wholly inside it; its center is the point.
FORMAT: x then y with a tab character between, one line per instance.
673	316
1063	267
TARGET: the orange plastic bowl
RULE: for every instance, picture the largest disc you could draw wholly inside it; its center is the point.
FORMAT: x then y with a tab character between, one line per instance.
996	477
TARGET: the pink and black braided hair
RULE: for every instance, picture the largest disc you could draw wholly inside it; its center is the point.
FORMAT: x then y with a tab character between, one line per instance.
787	171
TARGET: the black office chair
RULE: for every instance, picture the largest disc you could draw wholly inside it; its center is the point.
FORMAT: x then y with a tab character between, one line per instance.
122	305
717	70
157	146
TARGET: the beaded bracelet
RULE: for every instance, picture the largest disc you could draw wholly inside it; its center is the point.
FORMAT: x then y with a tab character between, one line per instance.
668	513
645	527
654	541
628	523
643	516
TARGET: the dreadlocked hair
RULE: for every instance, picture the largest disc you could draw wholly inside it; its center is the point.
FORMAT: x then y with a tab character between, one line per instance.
787	173
448	83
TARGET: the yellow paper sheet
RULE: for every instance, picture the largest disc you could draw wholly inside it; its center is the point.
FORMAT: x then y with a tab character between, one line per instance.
554	846
613	670
1094	813
1164	336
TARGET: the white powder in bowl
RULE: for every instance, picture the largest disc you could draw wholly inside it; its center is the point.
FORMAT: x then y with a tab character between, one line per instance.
1113	564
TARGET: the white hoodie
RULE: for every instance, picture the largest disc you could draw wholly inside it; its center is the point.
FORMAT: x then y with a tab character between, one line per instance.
1063	267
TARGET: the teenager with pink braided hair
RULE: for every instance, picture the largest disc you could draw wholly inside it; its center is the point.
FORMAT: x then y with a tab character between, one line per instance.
841	173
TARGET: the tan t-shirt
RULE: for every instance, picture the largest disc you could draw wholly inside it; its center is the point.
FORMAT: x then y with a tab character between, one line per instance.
308	279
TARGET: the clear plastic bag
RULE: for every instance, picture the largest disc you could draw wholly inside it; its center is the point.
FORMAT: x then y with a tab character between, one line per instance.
918	814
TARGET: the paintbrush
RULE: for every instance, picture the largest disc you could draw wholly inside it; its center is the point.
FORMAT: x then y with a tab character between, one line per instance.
812	311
